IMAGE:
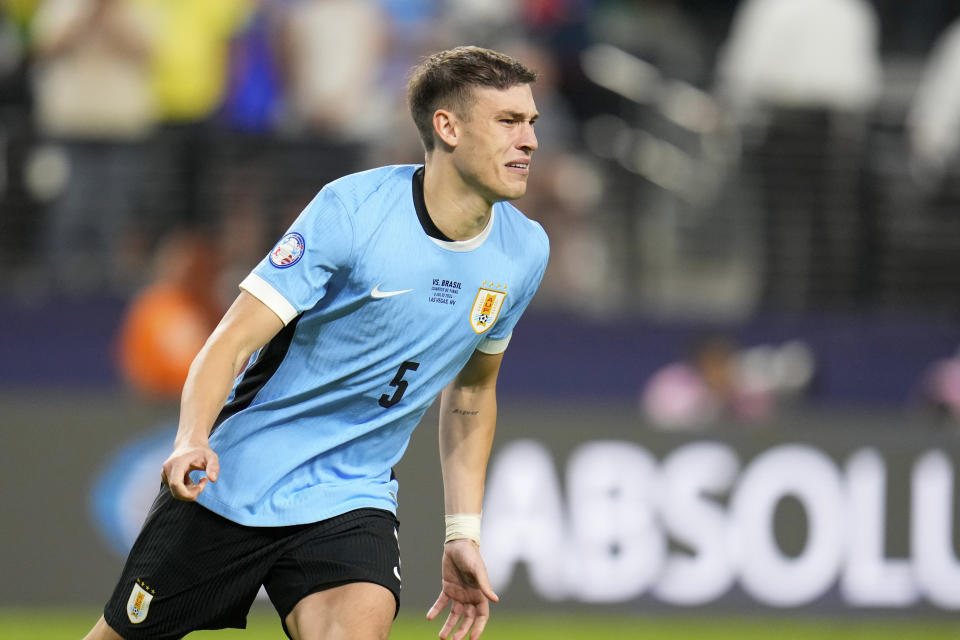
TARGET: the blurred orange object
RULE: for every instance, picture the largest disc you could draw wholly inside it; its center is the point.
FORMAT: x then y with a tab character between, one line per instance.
168	322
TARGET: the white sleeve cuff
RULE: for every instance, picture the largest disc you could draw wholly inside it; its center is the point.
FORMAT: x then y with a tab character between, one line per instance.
492	346
265	293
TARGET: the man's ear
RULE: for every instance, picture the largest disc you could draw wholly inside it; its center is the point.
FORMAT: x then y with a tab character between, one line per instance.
447	127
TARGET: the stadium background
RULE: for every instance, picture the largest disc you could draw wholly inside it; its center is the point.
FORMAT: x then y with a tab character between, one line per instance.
735	396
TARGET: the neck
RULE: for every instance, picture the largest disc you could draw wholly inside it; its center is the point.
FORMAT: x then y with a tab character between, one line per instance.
458	210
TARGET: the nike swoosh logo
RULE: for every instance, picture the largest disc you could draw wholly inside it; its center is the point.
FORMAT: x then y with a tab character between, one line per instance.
377	293
397	573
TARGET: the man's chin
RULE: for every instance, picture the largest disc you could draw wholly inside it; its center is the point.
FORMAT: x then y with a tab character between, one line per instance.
514	193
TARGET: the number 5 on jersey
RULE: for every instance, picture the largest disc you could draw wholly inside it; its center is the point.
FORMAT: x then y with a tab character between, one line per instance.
401	385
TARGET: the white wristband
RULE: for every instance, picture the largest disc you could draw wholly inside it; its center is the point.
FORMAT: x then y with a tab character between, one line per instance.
463	526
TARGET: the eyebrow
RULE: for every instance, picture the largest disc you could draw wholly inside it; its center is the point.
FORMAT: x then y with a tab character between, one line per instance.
517	115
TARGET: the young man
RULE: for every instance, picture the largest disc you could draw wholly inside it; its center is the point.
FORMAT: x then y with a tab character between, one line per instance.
394	285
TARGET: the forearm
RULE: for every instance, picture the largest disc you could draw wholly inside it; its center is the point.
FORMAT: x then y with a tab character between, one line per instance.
246	327
206	389
468	418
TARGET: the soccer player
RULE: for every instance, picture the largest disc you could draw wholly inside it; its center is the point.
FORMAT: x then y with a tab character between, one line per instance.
393	286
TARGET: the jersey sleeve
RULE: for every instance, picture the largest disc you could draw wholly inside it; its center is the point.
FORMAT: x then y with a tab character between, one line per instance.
293	276
499	336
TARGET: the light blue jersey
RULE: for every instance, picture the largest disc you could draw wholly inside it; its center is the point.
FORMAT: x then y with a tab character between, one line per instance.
379	317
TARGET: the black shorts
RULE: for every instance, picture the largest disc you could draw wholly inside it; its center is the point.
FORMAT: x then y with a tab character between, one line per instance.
192	569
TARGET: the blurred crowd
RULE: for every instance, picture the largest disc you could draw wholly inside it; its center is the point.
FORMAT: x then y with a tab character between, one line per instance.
122	121
697	158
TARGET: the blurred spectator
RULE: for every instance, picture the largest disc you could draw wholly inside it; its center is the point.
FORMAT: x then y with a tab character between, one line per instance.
928	239
189	79
702	390
809	69
719	382
933	123
940	389
93	98
253	101
806	54
334	54
169	320
190	63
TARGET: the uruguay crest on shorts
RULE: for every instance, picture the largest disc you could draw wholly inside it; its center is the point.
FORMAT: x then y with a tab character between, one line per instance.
139	604
486	308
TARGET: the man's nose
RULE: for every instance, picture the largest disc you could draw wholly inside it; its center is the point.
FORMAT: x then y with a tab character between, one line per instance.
528	138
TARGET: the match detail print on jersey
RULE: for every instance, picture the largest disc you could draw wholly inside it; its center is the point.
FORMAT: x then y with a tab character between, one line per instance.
377	293
486	307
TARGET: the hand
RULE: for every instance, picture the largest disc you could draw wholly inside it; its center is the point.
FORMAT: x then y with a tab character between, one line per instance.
183	460
465	584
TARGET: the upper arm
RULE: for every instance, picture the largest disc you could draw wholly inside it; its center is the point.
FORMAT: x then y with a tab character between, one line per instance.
247	325
293	277
479	373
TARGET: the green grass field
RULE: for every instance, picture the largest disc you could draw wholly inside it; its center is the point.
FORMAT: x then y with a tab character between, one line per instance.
44	624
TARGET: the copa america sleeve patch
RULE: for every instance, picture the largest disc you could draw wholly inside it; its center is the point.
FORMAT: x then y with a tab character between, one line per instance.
288	251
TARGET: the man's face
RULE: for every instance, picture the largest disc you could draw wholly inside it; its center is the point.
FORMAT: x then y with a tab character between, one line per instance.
497	142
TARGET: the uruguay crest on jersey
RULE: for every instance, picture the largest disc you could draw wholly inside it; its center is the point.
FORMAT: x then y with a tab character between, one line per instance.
486	308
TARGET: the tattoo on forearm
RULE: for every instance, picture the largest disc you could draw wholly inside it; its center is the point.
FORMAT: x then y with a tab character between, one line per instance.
465	412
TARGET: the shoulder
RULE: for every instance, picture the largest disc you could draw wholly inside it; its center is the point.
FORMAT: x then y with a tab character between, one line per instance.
522	231
355	189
